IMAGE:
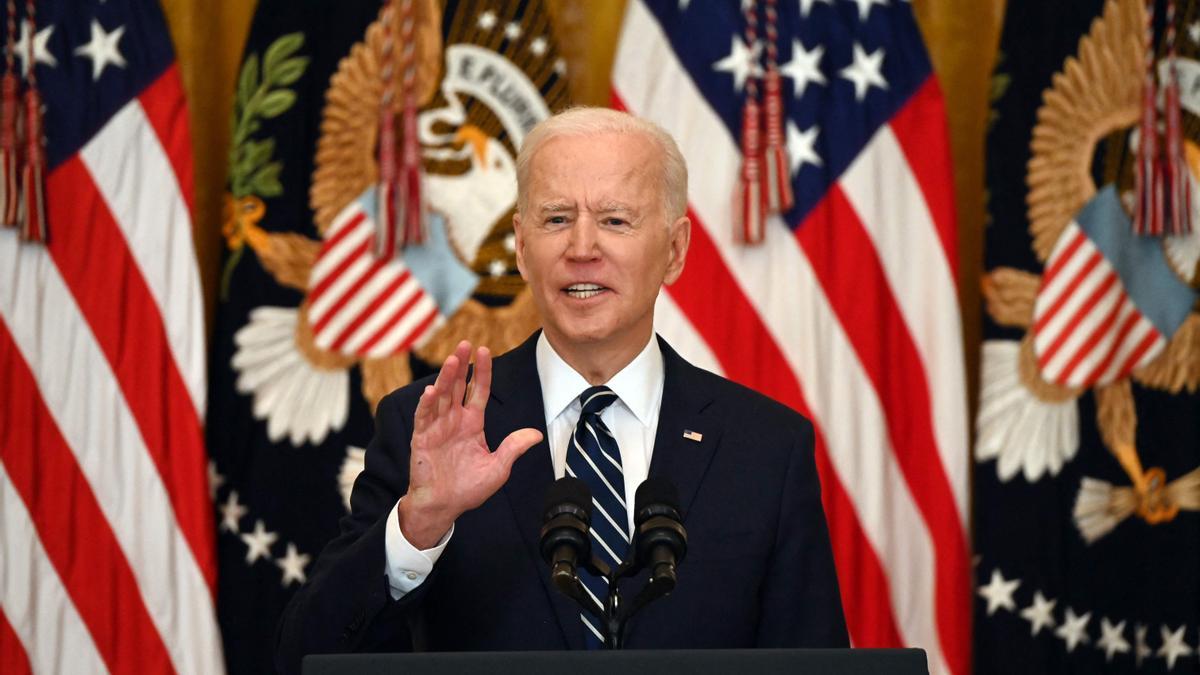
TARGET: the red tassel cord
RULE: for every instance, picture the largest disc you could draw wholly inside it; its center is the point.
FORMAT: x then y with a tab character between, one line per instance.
10	193
1162	182
34	227
778	175
410	197
385	217
1176	181
751	204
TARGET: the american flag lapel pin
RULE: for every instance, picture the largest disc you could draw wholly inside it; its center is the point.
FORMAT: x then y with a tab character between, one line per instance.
693	435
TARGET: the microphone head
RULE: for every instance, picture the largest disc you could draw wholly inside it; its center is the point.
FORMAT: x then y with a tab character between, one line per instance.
656	496
568	495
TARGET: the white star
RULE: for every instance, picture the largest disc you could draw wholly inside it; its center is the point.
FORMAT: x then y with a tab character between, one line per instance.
865	71
999	593
683	5
1112	639
215	479
231	513
742	62
102	49
1141	649
538	46
40	53
864	7
513	30
258	542
497	268
1193	30
560	66
293	565
807	5
804	67
1073	631
800	147
510	242
1173	646
1040	614
487	20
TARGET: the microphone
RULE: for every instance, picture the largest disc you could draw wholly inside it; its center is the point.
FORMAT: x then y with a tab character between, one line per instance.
567	516
660	542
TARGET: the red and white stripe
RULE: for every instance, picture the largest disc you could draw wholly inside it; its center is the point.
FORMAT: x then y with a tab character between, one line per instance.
362	305
854	321
1087	330
109	561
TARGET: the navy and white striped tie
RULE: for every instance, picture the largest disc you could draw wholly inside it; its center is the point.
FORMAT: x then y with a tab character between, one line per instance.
594	458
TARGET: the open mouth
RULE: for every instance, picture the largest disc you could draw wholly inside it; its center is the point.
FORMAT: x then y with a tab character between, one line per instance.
584	291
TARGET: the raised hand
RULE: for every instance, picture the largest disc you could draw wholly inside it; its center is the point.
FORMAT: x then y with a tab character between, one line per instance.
451	469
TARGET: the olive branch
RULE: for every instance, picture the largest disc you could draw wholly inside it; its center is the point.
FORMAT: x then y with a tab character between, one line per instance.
262	96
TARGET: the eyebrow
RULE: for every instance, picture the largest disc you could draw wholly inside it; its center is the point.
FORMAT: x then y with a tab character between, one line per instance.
611	207
556	207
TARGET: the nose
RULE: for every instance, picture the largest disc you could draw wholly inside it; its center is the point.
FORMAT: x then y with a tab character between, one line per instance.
583	243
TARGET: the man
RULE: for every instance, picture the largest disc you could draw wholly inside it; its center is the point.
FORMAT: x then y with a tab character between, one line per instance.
441	547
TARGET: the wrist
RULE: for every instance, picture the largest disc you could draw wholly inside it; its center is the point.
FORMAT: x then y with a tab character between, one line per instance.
423	525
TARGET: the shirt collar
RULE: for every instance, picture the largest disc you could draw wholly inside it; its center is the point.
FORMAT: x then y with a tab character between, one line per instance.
637	384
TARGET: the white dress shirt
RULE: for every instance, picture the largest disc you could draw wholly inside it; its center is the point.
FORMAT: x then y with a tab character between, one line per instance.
633	419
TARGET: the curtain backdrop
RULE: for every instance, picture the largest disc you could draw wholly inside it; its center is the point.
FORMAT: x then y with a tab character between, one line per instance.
961	35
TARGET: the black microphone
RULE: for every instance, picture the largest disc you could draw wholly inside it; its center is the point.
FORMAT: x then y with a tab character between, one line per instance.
661	541
565	543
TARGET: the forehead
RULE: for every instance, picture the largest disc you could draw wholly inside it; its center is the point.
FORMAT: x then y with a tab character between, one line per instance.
594	166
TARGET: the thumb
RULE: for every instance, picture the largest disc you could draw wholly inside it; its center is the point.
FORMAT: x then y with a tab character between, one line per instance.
516	444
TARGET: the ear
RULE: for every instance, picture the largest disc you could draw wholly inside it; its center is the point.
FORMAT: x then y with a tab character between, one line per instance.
519	244
681	236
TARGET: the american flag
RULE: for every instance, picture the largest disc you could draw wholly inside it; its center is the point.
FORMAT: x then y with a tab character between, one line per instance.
106	529
848	310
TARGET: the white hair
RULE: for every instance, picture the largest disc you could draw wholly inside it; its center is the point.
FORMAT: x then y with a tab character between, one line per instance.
591	121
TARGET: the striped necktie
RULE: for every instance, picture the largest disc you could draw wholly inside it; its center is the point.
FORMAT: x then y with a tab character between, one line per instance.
594	458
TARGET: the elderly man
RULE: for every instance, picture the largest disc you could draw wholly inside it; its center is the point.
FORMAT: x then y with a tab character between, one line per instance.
441	549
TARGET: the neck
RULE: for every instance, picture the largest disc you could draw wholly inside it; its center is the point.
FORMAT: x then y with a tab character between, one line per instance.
598	362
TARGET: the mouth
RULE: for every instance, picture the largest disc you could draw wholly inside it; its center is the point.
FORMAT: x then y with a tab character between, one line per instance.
584	291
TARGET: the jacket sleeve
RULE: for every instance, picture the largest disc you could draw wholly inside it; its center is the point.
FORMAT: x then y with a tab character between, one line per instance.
801	603
345	606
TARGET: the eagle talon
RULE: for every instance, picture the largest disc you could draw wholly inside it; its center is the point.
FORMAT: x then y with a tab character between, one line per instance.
1154	503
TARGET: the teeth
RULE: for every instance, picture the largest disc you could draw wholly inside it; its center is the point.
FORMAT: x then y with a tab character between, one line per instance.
583	291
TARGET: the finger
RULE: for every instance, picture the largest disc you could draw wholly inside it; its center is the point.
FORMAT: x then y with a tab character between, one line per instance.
515	445
481	384
425	407
443	384
463	352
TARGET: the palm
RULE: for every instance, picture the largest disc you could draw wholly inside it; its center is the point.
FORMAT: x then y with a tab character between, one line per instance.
452	470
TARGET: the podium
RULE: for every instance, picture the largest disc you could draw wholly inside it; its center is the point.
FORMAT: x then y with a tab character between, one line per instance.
630	662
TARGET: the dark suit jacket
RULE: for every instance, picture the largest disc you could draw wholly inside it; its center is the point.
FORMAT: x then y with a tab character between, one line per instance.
759	570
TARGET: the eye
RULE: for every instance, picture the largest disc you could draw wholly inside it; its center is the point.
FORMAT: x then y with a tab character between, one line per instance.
556	220
615	222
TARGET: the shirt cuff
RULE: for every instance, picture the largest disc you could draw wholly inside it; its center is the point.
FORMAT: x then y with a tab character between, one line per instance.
407	566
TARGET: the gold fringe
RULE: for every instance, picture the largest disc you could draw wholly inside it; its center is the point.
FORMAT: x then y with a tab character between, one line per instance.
1097	92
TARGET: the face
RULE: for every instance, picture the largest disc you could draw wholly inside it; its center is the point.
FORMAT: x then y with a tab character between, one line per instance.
594	242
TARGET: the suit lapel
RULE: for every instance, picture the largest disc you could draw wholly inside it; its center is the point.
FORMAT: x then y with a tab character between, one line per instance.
516	403
683	459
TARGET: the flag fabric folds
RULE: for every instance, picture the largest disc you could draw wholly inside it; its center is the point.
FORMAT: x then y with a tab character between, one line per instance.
106	532
847	311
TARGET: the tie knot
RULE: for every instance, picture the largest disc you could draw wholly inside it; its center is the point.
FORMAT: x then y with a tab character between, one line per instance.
595	399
